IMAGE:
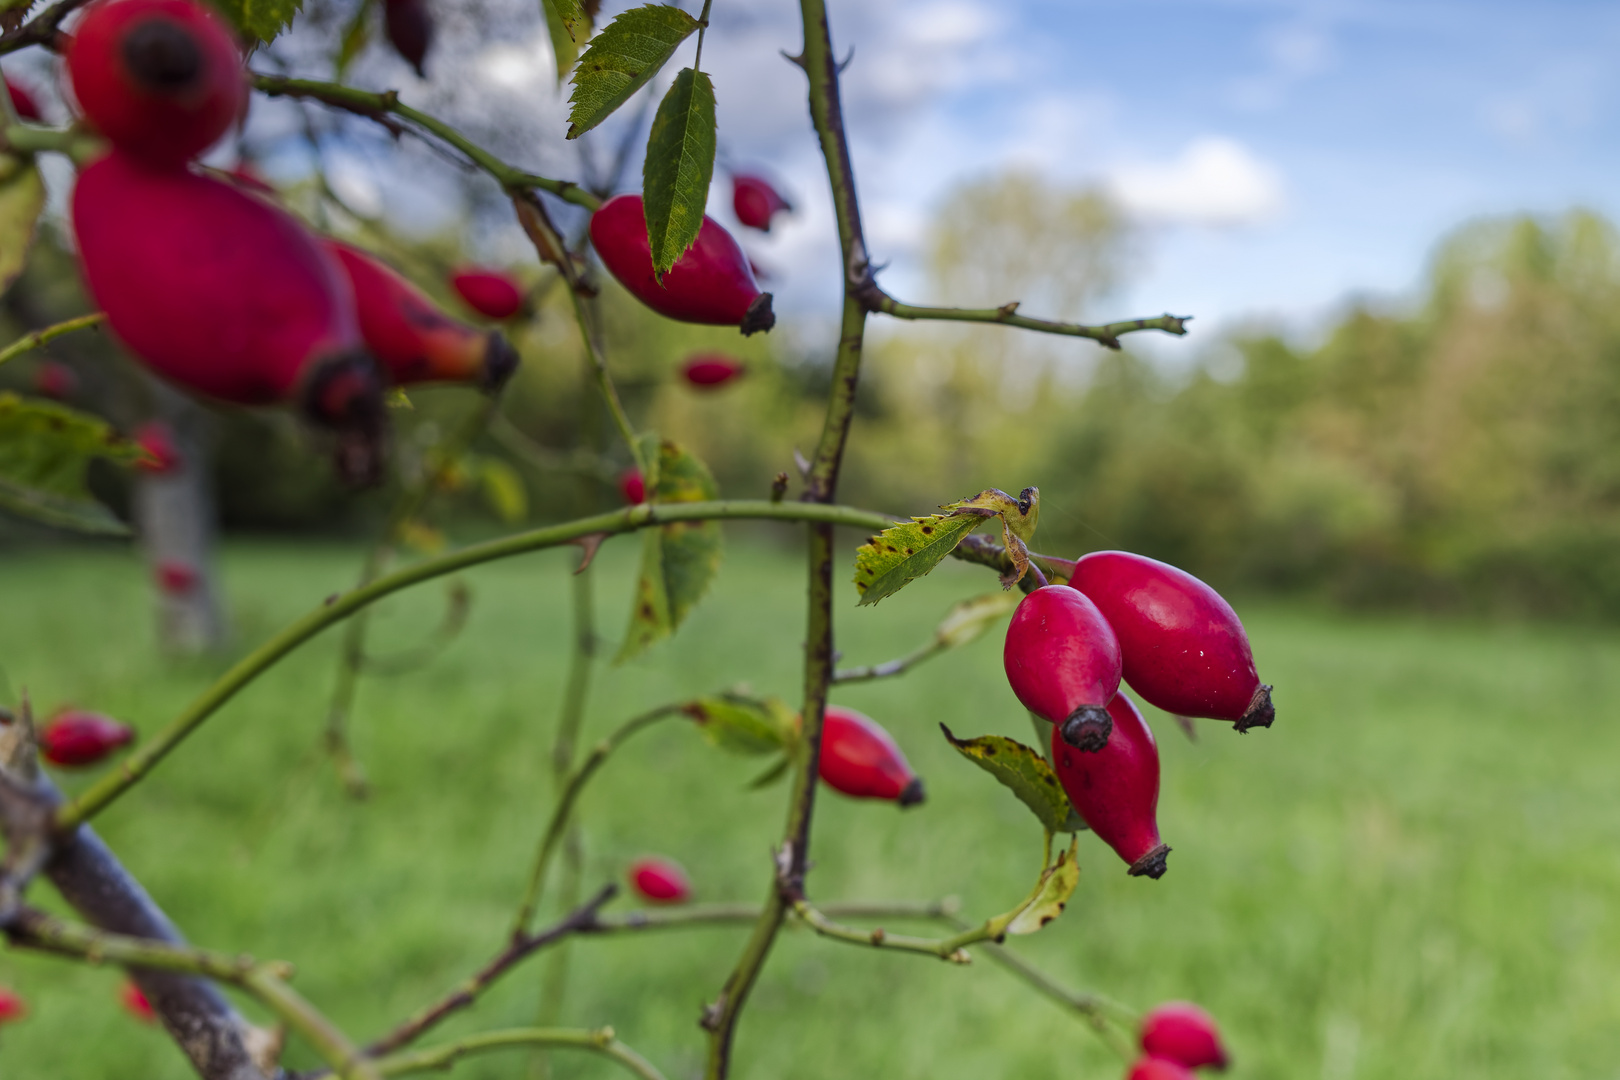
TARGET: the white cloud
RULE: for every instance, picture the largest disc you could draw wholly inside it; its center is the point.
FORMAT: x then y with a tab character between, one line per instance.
1213	181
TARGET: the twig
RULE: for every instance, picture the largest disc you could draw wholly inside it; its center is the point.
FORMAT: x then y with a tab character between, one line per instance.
35	338
41	30
986	552
602	1041
1107	334
951	948
890	668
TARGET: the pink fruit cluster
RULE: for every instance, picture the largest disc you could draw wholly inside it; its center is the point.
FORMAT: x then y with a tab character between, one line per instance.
1176	1038
1173	639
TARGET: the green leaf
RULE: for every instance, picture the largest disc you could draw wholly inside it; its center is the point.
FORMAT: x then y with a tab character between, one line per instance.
678	560
260	20
356	36
1022	771
45	449
680	164
504	490
773	774
628	52
22	197
966	621
906	551
1052	896
570	27
741	724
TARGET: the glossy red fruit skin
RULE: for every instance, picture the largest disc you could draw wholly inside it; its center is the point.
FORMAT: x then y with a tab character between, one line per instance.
75	737
633	486
12	1006
1116	789
136	1005
1181	1032
862	760
55	380
161	79
491	293
709	370
157	440
661	881
410	31
711	283
23	102
1183	648
1062	660
414	339
755	201
1152	1068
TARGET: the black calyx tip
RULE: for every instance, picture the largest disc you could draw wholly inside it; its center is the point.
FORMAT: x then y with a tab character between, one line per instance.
1087	728
760	317
162	55
500	362
1151	865
914	793
344	395
1260	712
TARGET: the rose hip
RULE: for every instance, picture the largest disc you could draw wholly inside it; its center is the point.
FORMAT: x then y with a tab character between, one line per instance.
175	578
1183	648
55	380
136	1005
661	881
710	283
162	456
1152	1068
633	486
491	293
755	201
74	737
22	101
860	759
1062	660
1181	1032
12	1006
709	370
1116	789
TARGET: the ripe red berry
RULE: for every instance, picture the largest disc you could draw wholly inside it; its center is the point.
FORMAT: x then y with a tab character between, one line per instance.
1181	1032
22	101
162	79
136	1005
755	201
229	296
1183	648
55	380
492	293
176	578
1116	789
661	881
633	486
708	370
413	338
75	737
710	283
162	456
12	1006
859	758
410	31
1152	1068
1062	660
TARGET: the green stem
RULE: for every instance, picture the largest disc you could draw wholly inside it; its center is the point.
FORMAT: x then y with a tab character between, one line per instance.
604	381
703	27
380	106
566	799
601	1041
1106	334
134	767
890	668
732	914
951	948
35	338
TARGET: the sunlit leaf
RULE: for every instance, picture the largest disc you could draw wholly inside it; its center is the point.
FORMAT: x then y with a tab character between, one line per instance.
680	163
741	724
45	450
906	551
1057	885
1022	771
22	197
570	27
628	52
678	560
260	20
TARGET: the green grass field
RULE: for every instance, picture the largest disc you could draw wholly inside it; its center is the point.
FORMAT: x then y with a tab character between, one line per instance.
1413	875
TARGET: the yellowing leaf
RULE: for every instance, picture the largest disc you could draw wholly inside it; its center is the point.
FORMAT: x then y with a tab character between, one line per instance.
678	560
22	197
971	618
906	551
1057	885
1022	771
741	724
504	490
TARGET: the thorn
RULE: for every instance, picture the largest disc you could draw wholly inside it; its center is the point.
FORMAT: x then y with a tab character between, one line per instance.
847	60
1008	309
802	462
796	60
591	543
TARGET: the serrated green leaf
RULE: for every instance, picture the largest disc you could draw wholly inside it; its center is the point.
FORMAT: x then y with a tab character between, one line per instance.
740	724
22	197
678	560
906	551
504	490
356	36
569	26
680	163
628	52
45	449
1022	771
971	618
1058	883
260	20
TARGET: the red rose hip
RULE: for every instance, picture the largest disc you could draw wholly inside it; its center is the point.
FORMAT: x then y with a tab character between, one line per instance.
136	1005
1116	789
162	456
23	102
709	370
414	339
862	760
1181	1032
1152	1068
755	201
633	486
55	380
1062	661
12	1006
491	293
162	79
75	737
710	283
661	881
1182	646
